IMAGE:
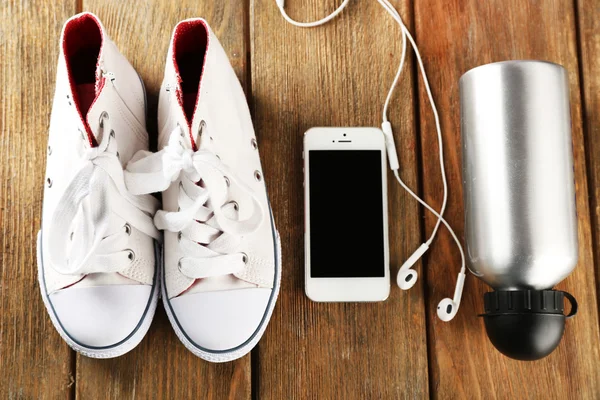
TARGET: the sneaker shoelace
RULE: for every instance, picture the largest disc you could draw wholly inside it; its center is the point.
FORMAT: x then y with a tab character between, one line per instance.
83	236
207	223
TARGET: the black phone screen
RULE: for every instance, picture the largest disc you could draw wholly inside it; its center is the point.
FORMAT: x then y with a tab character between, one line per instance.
346	214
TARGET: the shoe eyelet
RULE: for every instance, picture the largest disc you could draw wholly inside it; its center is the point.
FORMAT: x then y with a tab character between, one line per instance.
257	176
112	133
127	229
81	134
118	155
71	236
49	150
227	181
245	258
179	234
236	206
103	115
179	265
130	255
219	158
49	182
254	144
202	127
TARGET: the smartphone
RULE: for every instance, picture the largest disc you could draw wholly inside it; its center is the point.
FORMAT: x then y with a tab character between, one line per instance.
345	215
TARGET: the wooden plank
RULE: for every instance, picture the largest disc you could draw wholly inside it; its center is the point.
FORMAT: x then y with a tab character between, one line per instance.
335	75
588	12
34	361
454	38
161	367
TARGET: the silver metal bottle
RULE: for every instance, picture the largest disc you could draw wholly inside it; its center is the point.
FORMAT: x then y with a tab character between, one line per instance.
519	194
521	224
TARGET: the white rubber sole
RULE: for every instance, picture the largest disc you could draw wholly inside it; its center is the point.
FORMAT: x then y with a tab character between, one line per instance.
240	351
110	351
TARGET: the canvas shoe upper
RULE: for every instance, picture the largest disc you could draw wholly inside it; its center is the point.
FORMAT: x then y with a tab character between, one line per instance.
96	252
221	252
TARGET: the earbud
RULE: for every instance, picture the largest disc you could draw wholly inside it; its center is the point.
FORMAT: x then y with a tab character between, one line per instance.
447	308
407	277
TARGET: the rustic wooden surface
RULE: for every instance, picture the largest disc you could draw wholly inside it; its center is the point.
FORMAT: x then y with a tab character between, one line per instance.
34	361
334	75
589	52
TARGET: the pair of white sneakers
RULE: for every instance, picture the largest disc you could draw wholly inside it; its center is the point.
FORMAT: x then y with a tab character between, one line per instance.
103	261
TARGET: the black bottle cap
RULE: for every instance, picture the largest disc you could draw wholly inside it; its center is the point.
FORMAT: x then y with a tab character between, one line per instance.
526	324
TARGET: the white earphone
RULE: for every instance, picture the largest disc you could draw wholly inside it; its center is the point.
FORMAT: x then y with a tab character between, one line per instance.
407	277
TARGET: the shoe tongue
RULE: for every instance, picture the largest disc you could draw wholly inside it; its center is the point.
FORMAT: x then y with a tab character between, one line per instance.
90	96
188	103
86	95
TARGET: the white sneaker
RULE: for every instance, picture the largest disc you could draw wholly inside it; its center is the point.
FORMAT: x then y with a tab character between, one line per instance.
96	248
222	261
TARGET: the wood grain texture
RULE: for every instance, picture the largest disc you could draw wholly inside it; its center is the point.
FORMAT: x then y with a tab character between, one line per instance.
588	12
161	367
34	361
335	75
453	38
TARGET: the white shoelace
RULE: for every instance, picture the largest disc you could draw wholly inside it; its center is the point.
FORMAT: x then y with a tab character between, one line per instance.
207	223
83	238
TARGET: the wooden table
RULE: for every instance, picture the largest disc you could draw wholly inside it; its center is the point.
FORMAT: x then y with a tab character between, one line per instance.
295	79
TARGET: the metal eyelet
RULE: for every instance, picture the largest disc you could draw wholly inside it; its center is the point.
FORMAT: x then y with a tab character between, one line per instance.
254	144
257	176
236	206
49	182
227	181
245	258
201	127
127	229
103	115
130	255
49	150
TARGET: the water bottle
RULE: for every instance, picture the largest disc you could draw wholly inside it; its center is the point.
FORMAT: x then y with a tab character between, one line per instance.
519	196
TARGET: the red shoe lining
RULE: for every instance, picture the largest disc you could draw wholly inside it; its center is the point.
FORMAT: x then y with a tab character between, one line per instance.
82	43
190	44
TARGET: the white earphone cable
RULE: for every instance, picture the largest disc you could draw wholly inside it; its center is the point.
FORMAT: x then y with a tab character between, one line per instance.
386	126
405	33
281	5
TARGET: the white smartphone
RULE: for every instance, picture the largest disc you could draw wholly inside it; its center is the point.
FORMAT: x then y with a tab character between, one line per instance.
345	215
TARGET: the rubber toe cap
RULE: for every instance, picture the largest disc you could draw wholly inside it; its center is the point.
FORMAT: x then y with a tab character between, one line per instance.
223	320
101	316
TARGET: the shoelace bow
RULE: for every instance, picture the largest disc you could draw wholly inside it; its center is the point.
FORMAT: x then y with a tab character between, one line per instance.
83	237
207	224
